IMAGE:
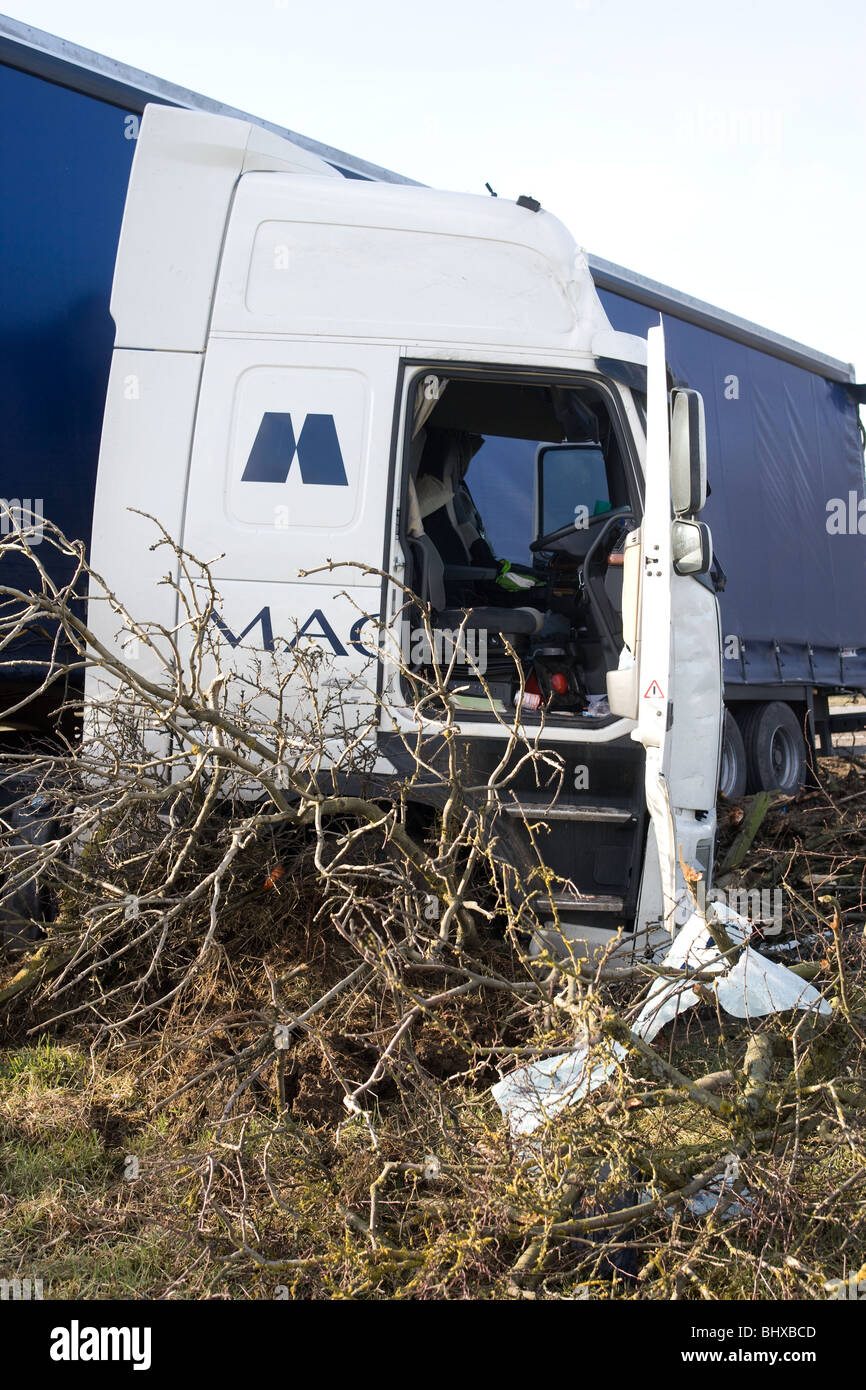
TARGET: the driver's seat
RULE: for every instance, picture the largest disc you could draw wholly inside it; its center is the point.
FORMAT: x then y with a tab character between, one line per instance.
445	503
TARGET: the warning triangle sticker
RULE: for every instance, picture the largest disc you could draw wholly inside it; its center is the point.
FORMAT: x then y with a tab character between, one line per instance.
654	692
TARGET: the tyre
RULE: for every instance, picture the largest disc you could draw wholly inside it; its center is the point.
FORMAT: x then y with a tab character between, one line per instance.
775	748
733	768
23	911
20	915
622	1260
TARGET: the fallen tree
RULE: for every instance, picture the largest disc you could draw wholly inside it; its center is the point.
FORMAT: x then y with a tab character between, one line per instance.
318	987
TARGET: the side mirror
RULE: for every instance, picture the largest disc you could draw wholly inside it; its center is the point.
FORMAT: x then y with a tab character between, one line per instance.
688	452
691	547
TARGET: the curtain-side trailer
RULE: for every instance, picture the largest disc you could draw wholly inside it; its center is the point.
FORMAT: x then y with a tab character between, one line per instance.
788	517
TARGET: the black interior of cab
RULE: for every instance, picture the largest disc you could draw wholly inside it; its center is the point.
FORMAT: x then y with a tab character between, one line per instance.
518	505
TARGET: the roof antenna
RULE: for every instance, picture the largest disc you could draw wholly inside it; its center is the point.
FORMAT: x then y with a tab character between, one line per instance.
490	191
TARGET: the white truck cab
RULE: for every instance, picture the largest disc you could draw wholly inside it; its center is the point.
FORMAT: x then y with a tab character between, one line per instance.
422	385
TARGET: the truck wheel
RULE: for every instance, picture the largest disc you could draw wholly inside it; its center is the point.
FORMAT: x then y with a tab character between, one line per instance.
23	911
775	748
732	773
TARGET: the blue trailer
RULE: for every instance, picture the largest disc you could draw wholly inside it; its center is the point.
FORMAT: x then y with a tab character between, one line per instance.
70	120
787	508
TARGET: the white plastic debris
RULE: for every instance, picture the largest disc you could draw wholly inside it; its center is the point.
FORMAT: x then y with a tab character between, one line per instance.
709	1199
596	707
749	988
533	1094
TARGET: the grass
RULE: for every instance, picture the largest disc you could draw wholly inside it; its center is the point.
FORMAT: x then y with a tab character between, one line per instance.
240	1200
73	1218
44	1067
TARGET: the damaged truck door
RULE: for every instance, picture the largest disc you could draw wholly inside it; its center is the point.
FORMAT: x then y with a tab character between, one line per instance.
670	679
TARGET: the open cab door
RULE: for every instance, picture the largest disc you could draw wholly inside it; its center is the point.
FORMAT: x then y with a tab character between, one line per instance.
671	661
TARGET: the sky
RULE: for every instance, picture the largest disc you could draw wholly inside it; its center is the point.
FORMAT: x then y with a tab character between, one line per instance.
716	148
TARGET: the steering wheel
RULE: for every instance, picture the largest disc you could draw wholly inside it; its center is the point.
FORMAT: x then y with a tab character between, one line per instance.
545	542
608	621
611	518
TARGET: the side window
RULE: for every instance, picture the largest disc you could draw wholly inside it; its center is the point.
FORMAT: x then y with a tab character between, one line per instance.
475	449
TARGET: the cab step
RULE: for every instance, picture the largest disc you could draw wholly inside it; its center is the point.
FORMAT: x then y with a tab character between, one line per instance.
592	902
539	810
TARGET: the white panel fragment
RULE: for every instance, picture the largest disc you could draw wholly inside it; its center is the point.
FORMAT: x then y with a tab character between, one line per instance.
750	988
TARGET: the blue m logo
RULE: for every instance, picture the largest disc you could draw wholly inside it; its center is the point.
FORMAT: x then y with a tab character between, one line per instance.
318	450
